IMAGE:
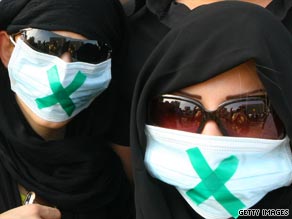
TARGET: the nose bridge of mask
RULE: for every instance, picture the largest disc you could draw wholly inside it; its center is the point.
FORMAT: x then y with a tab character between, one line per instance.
213	181
60	94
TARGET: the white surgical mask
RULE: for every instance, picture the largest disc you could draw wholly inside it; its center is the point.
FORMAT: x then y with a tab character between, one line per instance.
52	88
218	175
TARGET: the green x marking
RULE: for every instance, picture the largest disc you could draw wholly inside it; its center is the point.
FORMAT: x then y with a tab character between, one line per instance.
213	182
60	94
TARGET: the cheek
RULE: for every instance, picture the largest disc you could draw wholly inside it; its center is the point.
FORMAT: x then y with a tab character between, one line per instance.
6	55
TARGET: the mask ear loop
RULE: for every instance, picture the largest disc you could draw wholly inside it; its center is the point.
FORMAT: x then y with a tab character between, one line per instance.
12	40
12	37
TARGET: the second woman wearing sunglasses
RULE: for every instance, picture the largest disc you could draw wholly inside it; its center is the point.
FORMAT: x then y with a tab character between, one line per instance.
211	118
57	98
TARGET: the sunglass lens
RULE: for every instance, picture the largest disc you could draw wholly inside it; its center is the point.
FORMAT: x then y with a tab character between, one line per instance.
176	114
90	53
47	42
252	118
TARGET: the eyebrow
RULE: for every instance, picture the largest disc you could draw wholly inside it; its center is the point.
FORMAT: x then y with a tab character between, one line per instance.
195	96
192	96
245	94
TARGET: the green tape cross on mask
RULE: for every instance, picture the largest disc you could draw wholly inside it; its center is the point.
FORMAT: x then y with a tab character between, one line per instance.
60	94
213	182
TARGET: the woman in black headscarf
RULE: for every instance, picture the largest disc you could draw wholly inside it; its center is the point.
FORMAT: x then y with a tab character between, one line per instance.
57	100
183	166
149	24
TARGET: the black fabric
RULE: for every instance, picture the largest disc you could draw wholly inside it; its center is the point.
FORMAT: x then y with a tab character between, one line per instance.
206	44
79	174
101	19
282	9
9	10
129	6
146	30
156	7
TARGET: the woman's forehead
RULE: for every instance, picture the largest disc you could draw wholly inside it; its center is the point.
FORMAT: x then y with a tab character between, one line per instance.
241	79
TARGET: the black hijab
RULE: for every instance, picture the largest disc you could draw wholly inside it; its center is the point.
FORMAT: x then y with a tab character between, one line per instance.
211	40
281	8
93	19
79	174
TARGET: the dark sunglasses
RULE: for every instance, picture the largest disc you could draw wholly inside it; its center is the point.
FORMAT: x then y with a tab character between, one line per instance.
244	117
90	51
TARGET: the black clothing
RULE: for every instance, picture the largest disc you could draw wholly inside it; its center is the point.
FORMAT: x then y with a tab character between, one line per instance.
204	45
96	20
147	27
282	9
81	175
145	31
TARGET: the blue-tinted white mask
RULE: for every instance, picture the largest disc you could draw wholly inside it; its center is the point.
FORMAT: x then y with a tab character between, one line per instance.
52	88
218	175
